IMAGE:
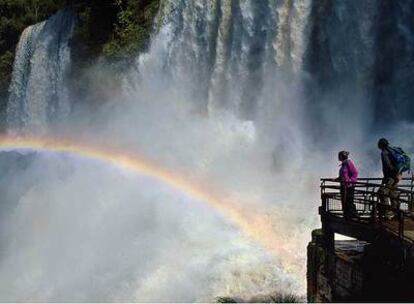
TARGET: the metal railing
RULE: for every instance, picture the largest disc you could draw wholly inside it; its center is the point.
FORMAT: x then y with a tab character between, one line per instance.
369	206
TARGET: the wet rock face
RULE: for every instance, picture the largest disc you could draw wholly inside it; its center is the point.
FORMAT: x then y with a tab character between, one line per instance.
338	277
357	272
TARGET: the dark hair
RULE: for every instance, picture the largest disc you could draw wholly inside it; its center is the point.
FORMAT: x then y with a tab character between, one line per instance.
343	155
383	143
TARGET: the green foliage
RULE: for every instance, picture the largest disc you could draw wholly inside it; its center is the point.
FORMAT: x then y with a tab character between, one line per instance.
6	67
225	300
132	29
273	298
96	25
115	30
18	14
285	298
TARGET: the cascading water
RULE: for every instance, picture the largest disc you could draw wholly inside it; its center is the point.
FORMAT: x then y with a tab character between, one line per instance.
231	92
38	94
222	52
360	59
394	63
230	54
241	58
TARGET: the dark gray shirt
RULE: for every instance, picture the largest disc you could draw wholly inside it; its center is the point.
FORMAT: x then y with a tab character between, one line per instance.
388	169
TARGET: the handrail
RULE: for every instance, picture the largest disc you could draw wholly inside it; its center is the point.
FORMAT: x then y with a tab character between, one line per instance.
359	191
366	178
367	201
358	183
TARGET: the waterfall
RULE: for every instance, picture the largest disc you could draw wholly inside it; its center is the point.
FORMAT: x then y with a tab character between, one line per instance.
254	96
220	52
38	94
233	54
394	64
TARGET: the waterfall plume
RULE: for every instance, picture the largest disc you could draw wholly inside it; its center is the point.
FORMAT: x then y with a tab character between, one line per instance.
252	98
38	93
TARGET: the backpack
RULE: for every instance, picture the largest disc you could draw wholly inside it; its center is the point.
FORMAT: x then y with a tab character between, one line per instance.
400	159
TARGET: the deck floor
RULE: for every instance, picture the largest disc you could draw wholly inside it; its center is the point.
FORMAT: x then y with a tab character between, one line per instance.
393	226
366	222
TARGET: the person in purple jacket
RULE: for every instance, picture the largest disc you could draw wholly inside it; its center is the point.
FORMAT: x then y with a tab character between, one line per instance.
348	176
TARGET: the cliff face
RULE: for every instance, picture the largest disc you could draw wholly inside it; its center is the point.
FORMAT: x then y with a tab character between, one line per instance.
335	277
357	272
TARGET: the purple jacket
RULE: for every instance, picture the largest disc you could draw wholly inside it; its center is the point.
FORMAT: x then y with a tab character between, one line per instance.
348	174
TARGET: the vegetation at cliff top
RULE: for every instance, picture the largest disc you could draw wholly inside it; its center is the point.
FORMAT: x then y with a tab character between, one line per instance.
115	30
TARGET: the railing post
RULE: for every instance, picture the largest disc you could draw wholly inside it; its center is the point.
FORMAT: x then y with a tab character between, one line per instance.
324	207
327	231
374	211
410	208
401	224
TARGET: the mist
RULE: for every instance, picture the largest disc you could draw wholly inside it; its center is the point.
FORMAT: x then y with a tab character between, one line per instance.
224	104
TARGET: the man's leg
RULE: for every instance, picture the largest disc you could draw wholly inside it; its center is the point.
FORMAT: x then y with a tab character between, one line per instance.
384	195
395	203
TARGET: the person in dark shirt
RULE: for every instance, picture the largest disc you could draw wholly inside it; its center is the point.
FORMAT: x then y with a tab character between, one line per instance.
387	192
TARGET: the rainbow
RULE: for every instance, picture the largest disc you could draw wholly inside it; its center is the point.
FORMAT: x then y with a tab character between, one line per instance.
255	225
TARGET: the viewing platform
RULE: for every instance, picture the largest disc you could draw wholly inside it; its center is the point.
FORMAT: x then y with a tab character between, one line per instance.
368	225
376	262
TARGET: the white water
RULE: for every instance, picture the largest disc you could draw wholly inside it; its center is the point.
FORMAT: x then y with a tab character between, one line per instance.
38	93
223	53
219	96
